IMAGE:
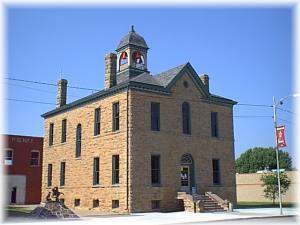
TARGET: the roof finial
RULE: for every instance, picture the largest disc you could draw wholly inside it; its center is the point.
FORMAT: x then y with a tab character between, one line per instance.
132	28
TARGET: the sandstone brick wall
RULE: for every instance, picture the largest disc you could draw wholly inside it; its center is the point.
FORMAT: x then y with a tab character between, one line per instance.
79	172
250	189
171	144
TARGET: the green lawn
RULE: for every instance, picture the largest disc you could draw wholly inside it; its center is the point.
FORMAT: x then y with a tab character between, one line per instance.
245	205
17	211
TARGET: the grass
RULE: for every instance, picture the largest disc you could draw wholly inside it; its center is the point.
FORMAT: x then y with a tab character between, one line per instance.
17	211
246	205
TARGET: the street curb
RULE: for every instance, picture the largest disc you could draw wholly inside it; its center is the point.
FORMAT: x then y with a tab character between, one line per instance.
248	218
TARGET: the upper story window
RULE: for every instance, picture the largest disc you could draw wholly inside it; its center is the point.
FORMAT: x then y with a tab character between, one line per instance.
97	114
116	116
34	158
51	130
214	124
8	160
63	130
155	169
138	60
78	141
216	171
186	118
155	116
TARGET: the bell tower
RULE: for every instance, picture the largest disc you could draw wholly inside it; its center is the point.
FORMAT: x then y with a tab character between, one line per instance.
131	56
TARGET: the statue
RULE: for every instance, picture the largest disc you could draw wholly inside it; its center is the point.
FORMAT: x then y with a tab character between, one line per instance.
54	195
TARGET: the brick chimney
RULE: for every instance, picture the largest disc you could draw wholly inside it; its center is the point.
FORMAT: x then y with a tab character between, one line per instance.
61	93
110	70
205	80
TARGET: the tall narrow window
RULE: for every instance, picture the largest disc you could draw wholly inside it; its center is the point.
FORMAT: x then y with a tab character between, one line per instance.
63	130
96	171
49	178
97	122
186	118
34	158
62	173
116	115
115	169
78	141
155	116
155	169
214	124
216	171
51	129
8	157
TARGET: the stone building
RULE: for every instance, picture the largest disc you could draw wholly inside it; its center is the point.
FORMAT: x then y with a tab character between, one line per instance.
134	145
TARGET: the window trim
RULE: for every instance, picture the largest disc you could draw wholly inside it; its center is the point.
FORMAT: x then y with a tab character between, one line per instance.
159	170
38	163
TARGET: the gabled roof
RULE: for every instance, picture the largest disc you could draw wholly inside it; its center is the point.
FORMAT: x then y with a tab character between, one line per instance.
160	83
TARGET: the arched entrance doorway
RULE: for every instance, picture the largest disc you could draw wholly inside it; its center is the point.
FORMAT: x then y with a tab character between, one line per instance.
187	174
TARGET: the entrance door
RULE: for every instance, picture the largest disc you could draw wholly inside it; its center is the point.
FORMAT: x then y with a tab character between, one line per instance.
185	178
13	198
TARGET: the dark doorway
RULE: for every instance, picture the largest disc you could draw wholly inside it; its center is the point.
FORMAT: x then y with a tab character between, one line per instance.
187	173
13	198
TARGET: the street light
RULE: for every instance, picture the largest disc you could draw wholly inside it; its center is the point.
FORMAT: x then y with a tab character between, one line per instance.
275	105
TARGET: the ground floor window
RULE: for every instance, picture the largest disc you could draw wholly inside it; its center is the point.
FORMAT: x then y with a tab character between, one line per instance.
95	203
115	204
77	202
155	204
216	171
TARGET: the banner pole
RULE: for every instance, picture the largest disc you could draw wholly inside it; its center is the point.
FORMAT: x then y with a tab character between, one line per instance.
277	157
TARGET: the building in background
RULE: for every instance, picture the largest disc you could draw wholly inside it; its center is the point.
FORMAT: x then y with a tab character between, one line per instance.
23	168
135	145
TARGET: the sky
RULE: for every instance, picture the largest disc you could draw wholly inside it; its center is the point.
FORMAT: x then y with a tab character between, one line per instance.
247	53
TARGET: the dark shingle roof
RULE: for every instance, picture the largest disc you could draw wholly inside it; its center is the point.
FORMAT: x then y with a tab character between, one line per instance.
132	38
145	81
166	77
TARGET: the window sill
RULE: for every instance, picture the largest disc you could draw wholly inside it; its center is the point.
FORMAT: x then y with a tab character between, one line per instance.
156	185
187	135
62	187
97	136
116	131
155	131
115	185
77	158
216	185
97	186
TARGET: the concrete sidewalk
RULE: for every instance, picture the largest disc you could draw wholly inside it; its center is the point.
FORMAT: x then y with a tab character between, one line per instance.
187	217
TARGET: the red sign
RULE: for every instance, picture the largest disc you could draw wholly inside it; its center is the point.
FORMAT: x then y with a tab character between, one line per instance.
280	137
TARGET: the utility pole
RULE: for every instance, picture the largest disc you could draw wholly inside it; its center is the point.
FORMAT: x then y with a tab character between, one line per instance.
277	158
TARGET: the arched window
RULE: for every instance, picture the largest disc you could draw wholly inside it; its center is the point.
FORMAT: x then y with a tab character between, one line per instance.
78	141
186	118
123	60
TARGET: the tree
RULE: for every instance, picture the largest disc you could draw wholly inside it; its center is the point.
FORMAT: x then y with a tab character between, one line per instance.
260	158
270	183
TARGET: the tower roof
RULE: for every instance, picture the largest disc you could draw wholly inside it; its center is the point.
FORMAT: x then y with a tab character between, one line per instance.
132	38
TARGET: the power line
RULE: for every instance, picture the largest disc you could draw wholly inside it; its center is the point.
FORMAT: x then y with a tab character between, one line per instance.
255	105
285	110
29	101
49	84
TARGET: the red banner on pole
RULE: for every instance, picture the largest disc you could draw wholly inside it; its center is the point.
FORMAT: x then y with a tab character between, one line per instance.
280	137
